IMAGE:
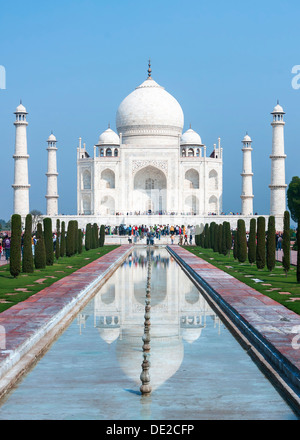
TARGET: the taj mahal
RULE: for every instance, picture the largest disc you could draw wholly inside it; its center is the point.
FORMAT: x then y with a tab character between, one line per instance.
150	171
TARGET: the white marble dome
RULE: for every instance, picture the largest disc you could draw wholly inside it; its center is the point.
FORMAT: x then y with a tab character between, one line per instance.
190	137
247	138
278	109
51	138
20	109
108	137
149	110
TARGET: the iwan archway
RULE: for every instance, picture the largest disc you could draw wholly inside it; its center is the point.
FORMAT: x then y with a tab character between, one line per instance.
150	191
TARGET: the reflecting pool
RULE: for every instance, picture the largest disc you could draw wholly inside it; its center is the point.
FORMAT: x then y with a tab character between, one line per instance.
198	370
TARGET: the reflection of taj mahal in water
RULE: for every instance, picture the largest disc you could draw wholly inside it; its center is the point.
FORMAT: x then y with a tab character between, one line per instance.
179	315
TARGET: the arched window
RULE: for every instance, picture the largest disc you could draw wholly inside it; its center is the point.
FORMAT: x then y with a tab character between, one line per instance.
116	152
149	184
108	176
192	179
108	152
191	152
183	152
86	179
101	152
198	152
213	180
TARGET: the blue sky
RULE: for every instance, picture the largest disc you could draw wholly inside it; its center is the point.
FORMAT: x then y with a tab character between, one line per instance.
73	62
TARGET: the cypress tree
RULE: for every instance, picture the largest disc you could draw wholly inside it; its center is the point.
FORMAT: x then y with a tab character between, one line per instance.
252	242
216	239
57	245
286	243
220	238
70	239
48	241
94	238
27	262
212	234
102	235
40	251
206	236
235	244
241	241
79	237
271	244
228	238
224	241
15	245
75	229
261	243
88	237
202	239
63	239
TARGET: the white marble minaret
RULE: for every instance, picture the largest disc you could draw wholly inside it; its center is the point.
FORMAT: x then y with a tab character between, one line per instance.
20	185
52	196
278	185
247	186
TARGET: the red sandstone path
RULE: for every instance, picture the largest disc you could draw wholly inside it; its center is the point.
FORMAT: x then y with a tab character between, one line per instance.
22	321
279	255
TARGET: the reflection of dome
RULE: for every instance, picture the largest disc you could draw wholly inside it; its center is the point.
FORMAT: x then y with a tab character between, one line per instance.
149	110
190	137
190	335
109	335
166	356
109	137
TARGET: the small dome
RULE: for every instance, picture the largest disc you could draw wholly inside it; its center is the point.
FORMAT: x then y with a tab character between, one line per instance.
190	137
51	138
109	137
278	109
247	138
109	335
20	109
191	335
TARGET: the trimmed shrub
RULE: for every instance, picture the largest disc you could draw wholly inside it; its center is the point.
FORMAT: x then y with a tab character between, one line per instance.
79	237
75	227
286	243
228	238
234	234
70	239
212	234
40	251
102	236
224	232
57	245
271	244
220	238
27	262
241	241
63	240
15	245
252	242
48	241
216	239
206	237
88	237
261	243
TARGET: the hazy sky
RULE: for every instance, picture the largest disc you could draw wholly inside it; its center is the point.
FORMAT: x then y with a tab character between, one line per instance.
73	62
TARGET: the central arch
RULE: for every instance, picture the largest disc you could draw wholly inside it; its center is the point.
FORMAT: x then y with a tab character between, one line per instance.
150	190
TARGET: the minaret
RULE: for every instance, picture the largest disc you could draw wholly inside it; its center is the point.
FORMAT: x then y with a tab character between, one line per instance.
278	185
20	185
52	196
247	187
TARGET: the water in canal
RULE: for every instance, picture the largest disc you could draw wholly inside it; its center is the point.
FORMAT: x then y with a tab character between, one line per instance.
198	370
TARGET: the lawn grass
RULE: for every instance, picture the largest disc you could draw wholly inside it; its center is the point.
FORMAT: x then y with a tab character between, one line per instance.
9	294
247	273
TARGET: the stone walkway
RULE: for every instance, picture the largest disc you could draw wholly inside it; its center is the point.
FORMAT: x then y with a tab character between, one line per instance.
269	325
22	326
279	255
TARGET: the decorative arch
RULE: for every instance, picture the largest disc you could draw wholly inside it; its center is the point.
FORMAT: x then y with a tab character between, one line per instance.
107	205
192	179
213	180
86	179
150	190
192	205
86	204
108	178
108	152
191	152
213	205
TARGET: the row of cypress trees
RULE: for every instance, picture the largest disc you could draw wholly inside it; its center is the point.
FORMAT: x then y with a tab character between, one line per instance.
67	243
260	248
94	238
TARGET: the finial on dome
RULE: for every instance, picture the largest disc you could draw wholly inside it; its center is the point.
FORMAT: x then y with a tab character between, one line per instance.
149	69
109	125
190	125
